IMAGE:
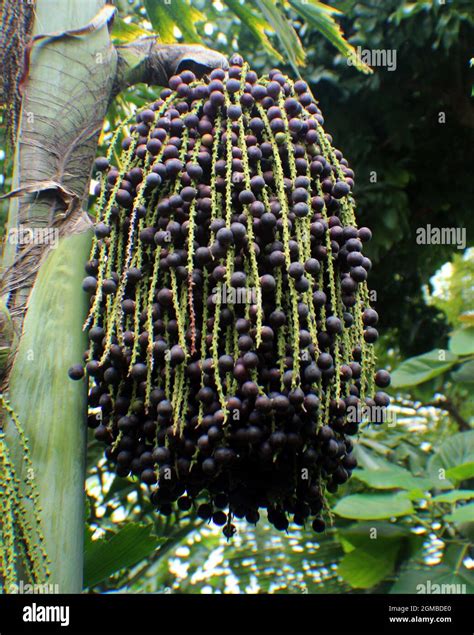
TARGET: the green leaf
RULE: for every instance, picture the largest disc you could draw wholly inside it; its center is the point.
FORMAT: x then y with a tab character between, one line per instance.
454	496
394	477
256	24
397	177
119	486
367	458
185	16
416	494
255	557
467	531
364	567
376	506
416	577
359	533
408	10
284	30
130	545
126	31
465	373
461	472
161	20
461	341
177	13
320	16
455	451
417	370
463	514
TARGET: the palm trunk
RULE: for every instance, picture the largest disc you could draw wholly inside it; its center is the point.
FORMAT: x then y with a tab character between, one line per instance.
65	99
52	409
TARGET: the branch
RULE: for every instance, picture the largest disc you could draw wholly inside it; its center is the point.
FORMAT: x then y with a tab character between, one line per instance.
448	406
147	61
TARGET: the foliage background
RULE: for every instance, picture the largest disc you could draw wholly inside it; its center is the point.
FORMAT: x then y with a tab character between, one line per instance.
387	123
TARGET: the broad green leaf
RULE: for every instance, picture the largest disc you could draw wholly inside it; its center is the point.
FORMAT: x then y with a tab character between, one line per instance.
394	477
415	494
461	472
454	496
180	13
463	514
380	448
416	577
465	373
367	459
467	531
376	506
284	30
320	16
366	566
456	450
418	369
126	31
360	533
365	534
256	24
461	341
130	545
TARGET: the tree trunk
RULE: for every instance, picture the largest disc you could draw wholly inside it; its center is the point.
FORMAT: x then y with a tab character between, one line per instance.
64	103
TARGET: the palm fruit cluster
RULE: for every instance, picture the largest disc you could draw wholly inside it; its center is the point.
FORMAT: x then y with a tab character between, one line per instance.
230	328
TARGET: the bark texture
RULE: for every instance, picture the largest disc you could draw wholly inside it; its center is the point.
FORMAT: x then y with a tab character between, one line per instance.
65	98
153	63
